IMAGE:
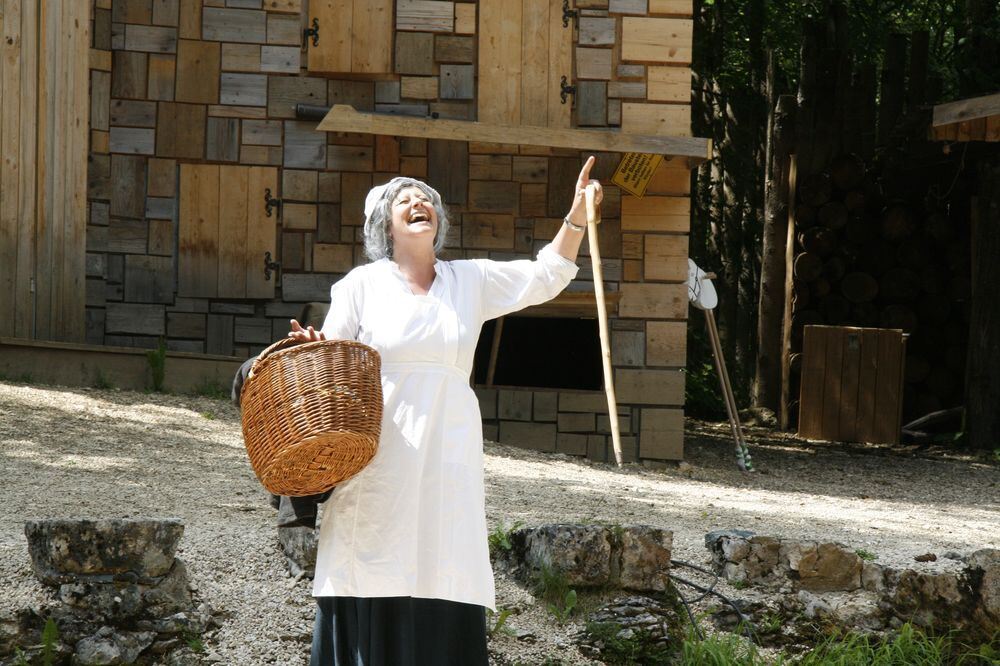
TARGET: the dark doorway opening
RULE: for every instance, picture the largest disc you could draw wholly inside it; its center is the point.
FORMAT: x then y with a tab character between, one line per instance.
542	352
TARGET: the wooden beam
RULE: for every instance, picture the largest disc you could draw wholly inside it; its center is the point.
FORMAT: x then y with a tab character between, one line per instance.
573	304
343	118
967	109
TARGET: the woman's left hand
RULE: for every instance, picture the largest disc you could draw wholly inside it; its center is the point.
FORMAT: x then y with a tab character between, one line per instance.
578	211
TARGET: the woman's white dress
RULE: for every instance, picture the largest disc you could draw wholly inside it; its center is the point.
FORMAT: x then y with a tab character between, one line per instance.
413	523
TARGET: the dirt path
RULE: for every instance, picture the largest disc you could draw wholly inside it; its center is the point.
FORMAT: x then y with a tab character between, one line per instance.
89	453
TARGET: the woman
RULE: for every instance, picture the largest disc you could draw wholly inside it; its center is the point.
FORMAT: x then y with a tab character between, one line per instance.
403	571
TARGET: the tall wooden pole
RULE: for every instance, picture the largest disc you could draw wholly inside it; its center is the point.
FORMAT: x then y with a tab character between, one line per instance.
593	219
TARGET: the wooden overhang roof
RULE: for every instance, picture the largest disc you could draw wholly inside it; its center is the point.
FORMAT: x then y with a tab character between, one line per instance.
974	119
344	118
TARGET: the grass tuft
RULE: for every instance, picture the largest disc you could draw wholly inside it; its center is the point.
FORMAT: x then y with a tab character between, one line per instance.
721	649
157	359
499	538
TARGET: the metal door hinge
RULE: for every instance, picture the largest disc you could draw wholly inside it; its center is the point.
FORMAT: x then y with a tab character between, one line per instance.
312	32
565	89
270	202
270	265
568	13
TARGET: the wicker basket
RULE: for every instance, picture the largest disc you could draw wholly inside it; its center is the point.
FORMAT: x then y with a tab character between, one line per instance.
312	414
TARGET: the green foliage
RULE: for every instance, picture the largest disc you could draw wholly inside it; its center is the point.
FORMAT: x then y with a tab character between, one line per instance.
208	415
627	647
731	44
194	642
496	621
702	396
770	624
499	538
909	647
564	609
19	658
157	359
722	649
866	555
739	584
211	388
553	587
985	654
50	639
102	382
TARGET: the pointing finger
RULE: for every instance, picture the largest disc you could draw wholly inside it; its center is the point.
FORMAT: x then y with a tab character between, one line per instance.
585	171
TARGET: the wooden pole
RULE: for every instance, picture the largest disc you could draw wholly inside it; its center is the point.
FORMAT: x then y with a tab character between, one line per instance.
494	352
593	219
727	387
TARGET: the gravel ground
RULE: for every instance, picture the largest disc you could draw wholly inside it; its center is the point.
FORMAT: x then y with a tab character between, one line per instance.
90	453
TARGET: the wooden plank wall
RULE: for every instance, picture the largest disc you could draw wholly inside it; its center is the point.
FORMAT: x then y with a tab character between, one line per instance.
852	384
193	117
43	169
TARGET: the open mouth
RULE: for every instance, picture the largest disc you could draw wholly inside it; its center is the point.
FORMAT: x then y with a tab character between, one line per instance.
419	217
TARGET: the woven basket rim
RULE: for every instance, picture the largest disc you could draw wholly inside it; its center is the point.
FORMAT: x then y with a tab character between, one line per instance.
292	346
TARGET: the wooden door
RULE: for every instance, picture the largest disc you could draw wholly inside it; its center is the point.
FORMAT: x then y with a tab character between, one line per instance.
524	51
43	168
225	232
348	31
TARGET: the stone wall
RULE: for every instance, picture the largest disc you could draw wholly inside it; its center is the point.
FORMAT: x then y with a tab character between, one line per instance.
192	119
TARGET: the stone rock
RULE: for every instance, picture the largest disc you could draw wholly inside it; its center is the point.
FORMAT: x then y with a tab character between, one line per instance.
645	558
762	560
985	566
110	648
180	623
873	577
171	595
813	606
930	600
828	567
299	545
641	619
63	551
185	656
107	602
730	549
582	553
712	537
857	611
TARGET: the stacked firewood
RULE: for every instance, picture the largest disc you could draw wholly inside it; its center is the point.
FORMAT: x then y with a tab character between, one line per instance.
875	248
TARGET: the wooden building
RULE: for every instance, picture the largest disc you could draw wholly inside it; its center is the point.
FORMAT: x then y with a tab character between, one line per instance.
174	193
974	119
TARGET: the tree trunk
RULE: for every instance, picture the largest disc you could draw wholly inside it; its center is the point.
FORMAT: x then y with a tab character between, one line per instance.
982	391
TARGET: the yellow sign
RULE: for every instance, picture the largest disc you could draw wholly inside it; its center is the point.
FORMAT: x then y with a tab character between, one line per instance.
634	172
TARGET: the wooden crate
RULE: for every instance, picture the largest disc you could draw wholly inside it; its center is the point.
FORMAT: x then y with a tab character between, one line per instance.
852	384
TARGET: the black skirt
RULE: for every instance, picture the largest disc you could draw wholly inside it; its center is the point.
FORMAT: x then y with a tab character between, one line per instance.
398	631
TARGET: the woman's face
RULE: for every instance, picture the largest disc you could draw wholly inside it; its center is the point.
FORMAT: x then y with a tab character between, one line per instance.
413	218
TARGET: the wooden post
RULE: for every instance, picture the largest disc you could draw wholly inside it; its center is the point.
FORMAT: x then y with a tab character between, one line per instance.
491	369
727	390
983	422
784	416
767	384
593	218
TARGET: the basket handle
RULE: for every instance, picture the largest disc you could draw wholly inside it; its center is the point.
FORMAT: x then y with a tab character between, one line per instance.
275	347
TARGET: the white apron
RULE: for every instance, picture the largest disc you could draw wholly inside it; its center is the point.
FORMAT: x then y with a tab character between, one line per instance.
413	523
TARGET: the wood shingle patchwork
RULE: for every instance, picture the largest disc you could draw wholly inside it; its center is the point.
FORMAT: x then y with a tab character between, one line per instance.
192	118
